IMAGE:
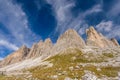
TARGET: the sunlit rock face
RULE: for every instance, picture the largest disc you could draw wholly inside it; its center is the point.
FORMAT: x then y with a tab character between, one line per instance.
41	49
97	39
115	42
70	39
15	57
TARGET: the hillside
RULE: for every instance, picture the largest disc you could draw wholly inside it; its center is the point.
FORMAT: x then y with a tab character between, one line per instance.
71	58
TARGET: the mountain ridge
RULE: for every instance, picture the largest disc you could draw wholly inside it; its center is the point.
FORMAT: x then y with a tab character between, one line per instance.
70	58
69	39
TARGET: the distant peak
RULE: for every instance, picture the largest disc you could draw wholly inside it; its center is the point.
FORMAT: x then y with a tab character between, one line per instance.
48	40
95	38
23	47
115	41
40	41
92	28
70	31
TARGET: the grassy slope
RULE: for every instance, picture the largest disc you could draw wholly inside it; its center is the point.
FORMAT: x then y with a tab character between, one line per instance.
2	77
62	63
67	65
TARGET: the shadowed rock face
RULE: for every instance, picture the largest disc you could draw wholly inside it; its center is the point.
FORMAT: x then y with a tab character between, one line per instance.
15	57
97	39
41	49
115	41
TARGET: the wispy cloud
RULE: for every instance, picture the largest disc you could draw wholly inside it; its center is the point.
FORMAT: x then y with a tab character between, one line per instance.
66	19
1	58
8	45
115	10
94	9
109	29
15	20
105	26
63	13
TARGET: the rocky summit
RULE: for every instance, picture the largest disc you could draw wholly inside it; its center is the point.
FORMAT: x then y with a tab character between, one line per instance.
16	56
70	39
70	58
97	39
41	49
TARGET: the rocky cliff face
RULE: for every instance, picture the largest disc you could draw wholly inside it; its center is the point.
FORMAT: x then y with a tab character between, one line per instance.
115	42
15	57
69	56
70	39
41	49
98	40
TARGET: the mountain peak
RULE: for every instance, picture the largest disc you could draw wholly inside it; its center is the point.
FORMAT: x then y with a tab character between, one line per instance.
48	40
97	39
23	47
69	39
115	41
92	33
70	31
69	35
16	56
92	28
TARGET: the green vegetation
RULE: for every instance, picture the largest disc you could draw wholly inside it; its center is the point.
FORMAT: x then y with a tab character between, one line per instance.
2	77
63	62
110	55
110	71
69	64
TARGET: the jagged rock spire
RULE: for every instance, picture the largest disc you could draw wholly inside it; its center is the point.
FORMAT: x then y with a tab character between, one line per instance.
40	49
69	39
115	41
98	40
69	36
17	56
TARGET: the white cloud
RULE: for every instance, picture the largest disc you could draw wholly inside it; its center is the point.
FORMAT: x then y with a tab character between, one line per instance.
82	30
8	45
66	19
115	32
109	29
1	58
62	12
95	9
105	26
115	10
62	8
15	20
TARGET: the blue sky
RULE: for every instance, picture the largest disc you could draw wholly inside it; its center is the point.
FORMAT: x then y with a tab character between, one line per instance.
28	21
